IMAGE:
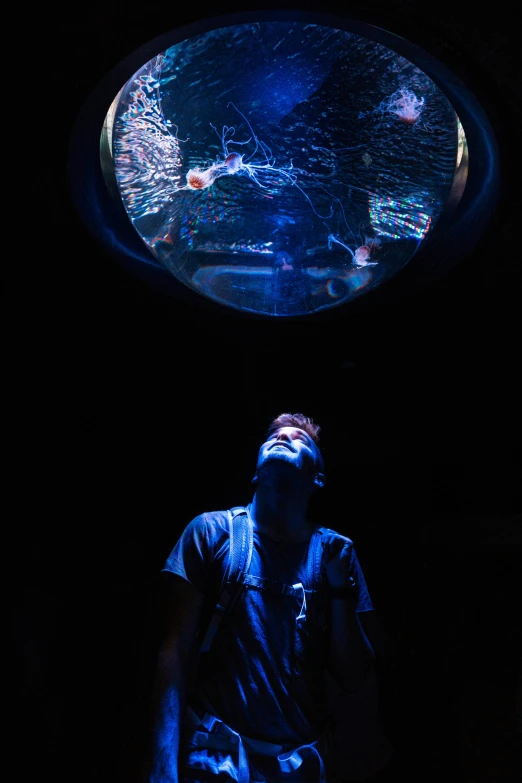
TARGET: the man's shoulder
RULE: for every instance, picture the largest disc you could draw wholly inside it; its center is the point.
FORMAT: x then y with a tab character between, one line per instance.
204	535
209	516
210	524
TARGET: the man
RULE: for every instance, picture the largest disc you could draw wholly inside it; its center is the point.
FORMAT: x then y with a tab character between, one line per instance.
256	706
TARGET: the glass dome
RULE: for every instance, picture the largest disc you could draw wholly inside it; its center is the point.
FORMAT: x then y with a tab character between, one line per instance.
281	167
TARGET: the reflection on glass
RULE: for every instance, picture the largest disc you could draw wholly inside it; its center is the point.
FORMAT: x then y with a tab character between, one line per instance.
283	168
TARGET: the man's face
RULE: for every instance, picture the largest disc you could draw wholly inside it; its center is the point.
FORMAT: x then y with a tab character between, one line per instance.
291	446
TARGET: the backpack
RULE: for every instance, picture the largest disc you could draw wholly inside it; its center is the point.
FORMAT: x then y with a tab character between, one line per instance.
360	749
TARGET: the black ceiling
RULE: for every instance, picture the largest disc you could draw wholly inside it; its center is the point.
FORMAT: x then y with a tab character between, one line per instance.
82	333
127	413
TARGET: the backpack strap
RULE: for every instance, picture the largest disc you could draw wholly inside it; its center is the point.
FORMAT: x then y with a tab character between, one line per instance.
314	571
239	559
241	545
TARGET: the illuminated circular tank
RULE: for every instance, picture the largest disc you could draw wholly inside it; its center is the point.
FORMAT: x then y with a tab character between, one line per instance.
280	167
284	164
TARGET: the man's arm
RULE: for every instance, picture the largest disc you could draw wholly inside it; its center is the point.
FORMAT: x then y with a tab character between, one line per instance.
176	656
351	655
382	644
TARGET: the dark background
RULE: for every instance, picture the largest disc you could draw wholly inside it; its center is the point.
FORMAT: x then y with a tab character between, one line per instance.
128	413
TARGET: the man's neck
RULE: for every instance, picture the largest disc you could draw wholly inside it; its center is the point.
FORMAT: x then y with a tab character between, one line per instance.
280	513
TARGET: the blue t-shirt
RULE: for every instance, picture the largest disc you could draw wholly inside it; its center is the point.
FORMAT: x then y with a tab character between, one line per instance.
264	675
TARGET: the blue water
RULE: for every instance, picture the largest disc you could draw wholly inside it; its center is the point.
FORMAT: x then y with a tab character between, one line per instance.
335	182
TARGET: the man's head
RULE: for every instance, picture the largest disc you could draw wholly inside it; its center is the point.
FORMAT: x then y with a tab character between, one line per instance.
292	445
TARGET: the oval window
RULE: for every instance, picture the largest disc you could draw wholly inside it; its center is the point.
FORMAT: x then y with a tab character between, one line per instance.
281	167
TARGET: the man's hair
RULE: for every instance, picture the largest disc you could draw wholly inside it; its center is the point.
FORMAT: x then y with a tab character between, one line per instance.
296	420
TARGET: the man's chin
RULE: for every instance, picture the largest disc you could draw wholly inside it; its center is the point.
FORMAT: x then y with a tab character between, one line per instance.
279	453
280	458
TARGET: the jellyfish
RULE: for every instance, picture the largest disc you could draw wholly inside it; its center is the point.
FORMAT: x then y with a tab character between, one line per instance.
360	256
199	179
403	103
234	163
